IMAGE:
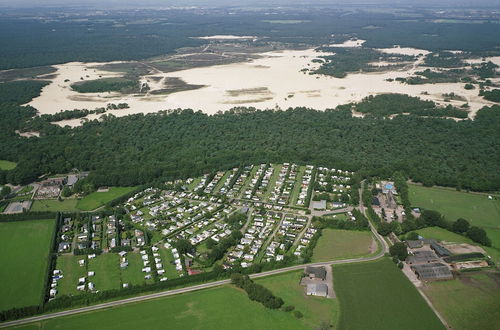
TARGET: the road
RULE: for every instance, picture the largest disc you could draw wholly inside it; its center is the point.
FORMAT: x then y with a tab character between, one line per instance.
44	317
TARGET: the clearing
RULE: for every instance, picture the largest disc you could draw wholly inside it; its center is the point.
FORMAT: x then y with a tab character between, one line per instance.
377	295
25	246
476	208
5	165
98	199
341	244
43	205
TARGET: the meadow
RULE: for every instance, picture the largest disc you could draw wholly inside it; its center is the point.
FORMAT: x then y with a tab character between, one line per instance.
43	205
206	309
98	199
476	208
26	247
377	295
71	271
5	165
341	244
469	302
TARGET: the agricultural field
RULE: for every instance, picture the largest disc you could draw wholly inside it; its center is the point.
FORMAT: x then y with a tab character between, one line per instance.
377	295
42	205
24	257
476	208
342	244
206	309
444	235
98	199
469	302
5	165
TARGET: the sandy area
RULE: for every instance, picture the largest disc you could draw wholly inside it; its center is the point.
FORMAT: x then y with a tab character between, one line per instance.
225	37
272	81
349	43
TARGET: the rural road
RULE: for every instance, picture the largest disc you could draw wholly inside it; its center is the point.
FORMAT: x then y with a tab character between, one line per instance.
191	288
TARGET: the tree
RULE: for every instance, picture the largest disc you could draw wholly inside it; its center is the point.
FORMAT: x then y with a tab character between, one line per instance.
412	236
5	191
460	226
66	192
478	235
183	246
399	250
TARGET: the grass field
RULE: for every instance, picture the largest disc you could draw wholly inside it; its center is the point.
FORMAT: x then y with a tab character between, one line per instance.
217	308
54	205
98	199
445	235
72	271
470	302
377	295
5	165
107	271
340	244
23	261
167	258
133	273
316	310
476	208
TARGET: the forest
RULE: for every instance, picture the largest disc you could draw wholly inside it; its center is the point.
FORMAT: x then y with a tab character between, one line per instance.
134	35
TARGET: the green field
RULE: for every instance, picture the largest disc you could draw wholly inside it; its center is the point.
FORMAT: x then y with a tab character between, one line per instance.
98	199
107	271
316	310
444	235
5	165
42	205
341	244
133	274
71	271
217	308
25	251
377	295
476	208
470	302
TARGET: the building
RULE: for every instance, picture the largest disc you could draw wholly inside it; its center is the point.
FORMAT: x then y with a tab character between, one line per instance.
420	257
319	205
414	244
317	289
440	250
432	272
316	272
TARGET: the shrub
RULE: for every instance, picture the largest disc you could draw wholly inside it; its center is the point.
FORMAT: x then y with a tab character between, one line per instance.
288	308
298	314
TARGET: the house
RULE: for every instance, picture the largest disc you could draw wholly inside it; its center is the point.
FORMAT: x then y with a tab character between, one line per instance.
317	289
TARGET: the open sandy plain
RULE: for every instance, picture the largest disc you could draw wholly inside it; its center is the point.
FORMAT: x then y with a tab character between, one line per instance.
273	80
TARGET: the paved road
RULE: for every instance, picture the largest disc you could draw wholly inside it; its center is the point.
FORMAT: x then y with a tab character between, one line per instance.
192	288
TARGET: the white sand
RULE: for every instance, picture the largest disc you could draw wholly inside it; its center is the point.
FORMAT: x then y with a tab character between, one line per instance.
225	37
351	43
274	80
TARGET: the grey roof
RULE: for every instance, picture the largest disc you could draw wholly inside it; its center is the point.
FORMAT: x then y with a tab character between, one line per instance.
434	271
318	272
440	250
317	289
71	179
414	244
422	257
320	205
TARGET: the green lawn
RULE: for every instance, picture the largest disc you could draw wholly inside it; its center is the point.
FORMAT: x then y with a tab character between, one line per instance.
217	308
316	310
470	302
72	271
133	273
23	261
445	235
5	165
167	258
107	271
476	208
297	186
54	205
377	295
98	199
342	244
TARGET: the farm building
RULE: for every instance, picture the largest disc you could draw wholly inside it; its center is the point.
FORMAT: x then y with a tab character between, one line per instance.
440	250
433	271
317	289
420	257
414	244
316	272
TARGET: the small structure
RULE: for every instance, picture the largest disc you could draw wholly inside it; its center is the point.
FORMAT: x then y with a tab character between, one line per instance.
440	250
375	201
420	257
319	205
414	244
317	289
432	272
